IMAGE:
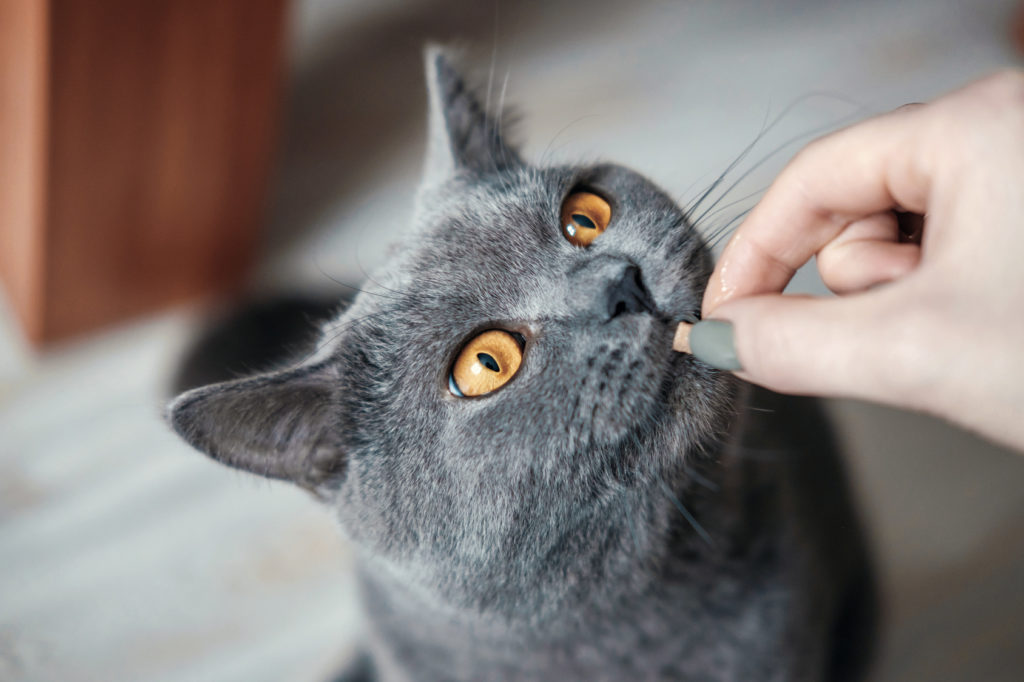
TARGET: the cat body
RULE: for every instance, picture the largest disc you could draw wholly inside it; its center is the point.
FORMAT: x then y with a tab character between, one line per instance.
769	589
615	510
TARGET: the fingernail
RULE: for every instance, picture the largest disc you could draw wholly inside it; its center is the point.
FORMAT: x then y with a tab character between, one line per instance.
711	342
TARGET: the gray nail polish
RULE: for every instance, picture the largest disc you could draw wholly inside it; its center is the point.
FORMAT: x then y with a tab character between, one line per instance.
711	341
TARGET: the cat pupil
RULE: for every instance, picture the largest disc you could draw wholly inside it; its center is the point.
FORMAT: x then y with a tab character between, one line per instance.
583	221
488	362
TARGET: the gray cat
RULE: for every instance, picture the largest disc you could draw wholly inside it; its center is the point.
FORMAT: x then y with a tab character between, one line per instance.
538	487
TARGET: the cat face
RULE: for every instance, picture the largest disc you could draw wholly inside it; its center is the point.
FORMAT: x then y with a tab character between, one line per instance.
566	339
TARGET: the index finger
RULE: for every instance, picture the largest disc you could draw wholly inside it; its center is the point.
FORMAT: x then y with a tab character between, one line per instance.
870	167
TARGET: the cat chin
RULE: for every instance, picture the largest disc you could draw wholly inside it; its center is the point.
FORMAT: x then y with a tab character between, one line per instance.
674	412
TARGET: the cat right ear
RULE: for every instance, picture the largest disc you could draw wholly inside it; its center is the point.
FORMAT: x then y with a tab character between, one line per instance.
283	425
462	133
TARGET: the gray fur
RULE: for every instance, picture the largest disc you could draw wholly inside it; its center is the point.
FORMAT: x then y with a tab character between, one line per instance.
616	511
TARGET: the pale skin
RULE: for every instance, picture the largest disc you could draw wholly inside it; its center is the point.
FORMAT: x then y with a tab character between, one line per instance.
934	323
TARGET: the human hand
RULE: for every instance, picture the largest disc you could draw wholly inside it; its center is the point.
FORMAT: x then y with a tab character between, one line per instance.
935	325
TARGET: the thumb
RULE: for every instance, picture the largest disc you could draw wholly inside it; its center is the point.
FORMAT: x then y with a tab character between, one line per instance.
843	346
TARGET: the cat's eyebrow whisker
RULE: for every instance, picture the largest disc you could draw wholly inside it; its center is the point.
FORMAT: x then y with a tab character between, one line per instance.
686	513
366	274
499	115
501	102
494	61
548	149
398	295
354	288
335	333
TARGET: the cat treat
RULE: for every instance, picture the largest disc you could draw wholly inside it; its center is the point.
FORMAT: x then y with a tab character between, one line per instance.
681	340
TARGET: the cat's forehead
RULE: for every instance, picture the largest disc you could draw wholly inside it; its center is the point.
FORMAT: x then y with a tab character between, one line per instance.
500	215
481	212
490	247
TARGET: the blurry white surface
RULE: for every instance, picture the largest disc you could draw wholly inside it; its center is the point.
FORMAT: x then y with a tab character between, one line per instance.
124	555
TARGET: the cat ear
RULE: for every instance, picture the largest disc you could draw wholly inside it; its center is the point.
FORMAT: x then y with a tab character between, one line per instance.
282	425
462	134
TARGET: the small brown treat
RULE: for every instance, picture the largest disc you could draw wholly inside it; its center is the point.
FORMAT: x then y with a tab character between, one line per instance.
681	341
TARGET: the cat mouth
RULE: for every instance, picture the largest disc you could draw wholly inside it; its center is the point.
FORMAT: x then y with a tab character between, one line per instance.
639	342
628	378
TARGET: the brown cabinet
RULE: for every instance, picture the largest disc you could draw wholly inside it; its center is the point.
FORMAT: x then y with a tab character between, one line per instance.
135	147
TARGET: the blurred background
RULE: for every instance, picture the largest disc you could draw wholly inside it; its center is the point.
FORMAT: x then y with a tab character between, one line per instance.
275	146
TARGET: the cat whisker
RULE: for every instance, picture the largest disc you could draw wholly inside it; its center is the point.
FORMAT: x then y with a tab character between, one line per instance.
725	230
493	131
398	295
860	110
735	162
501	99
712	211
778	149
686	513
700	479
571	422
494	61
681	198
746	451
632	528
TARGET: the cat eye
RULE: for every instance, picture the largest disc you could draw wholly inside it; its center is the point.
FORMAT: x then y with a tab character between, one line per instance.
485	364
585	216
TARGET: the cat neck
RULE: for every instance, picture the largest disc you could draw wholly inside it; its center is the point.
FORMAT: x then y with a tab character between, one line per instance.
639	568
618	553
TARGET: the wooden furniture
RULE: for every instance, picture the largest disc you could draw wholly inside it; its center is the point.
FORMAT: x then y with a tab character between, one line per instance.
135	146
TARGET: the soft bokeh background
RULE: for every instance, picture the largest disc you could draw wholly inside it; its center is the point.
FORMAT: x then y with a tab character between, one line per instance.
125	556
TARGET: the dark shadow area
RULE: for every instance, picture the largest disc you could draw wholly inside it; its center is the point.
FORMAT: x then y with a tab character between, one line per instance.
254	336
364	99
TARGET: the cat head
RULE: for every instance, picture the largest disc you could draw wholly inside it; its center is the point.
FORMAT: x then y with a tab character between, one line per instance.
504	376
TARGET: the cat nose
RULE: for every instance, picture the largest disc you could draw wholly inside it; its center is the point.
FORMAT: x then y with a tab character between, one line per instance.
627	294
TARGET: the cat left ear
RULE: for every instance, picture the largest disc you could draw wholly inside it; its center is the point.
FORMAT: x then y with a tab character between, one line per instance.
462	133
283	425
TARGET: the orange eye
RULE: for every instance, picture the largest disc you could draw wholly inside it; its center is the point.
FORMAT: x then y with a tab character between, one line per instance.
584	217
485	364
